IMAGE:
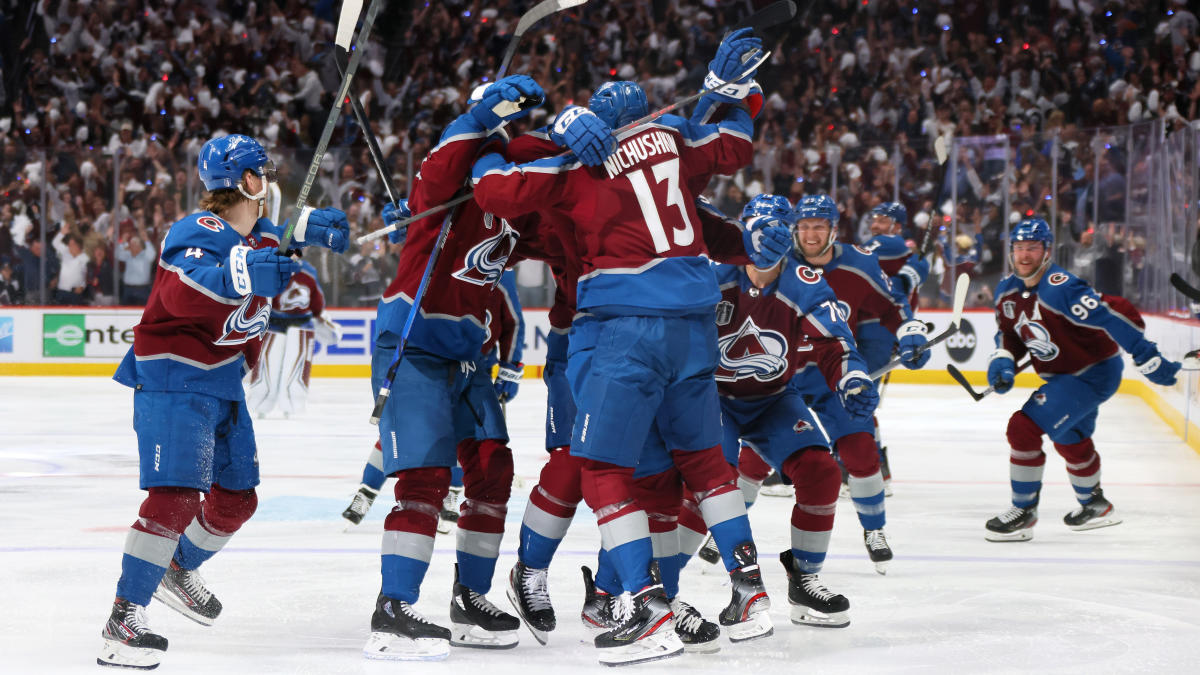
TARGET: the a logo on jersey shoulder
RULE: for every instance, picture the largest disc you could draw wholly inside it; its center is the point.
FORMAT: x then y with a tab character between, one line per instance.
802	426
1039	398
862	250
484	263
210	223
1036	338
724	312
1057	279
242	327
870	246
751	352
807	274
1009	308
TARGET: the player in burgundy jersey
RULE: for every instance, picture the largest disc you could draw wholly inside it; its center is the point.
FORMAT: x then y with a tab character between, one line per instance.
863	293
200	332
1074	337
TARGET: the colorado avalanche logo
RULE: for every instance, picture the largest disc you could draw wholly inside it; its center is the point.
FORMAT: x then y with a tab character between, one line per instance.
295	297
1039	398
1058	279
1036	339
751	352
240	328
484	263
802	426
807	274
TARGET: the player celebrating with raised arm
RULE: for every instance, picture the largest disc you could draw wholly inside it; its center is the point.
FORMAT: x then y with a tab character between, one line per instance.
201	331
863	292
1074	337
652	348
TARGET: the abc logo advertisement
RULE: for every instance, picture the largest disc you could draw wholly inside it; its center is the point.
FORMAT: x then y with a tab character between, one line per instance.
961	345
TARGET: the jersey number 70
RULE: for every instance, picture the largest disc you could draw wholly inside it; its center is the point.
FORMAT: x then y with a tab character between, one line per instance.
668	171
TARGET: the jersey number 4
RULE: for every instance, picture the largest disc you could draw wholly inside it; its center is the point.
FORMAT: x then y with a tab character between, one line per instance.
668	171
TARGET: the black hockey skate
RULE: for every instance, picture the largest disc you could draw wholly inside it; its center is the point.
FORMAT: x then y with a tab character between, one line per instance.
363	499
812	603
528	593
128	640
878	549
475	622
643	627
746	617
597	606
1098	512
773	486
709	552
1015	524
184	591
400	633
698	635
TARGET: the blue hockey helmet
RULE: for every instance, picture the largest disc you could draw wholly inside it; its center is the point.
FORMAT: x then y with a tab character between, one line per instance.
816	206
1031	229
619	103
768	205
893	210
223	160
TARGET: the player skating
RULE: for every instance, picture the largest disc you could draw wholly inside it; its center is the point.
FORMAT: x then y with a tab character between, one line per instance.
863	293
1074	337
201	329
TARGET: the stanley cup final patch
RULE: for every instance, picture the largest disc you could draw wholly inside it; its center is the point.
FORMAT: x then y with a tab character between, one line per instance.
724	312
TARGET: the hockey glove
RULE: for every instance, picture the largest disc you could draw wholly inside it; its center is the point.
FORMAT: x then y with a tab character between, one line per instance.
767	240
327	331
1158	370
1002	371
585	134
325	227
506	99
912	336
508	379
730	64
262	272
859	395
394	213
913	274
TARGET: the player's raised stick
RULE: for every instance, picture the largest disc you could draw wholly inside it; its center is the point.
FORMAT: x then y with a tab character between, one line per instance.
960	299
345	27
962	379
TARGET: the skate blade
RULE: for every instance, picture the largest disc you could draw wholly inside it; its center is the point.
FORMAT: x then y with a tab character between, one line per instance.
710	647
171	600
887	489
117	654
474	637
807	616
391	647
1104	521
444	526
654	647
881	566
1020	535
756	627
542	636
777	491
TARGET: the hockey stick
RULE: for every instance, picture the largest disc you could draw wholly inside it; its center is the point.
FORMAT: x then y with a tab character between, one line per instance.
772	15
368	133
371	236
960	299
962	379
535	14
942	154
346	21
1189	291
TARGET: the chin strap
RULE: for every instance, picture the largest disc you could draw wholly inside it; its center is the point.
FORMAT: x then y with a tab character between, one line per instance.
260	196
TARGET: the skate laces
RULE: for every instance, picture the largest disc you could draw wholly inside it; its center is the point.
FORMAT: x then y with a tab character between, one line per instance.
533	583
1015	512
621	607
194	585
411	612
480	602
136	620
813	586
687	618
876	540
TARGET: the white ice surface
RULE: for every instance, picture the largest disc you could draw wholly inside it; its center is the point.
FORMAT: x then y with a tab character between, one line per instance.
298	590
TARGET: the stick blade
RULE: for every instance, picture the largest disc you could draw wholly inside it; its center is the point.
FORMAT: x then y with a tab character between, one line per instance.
772	15
1181	285
962	379
941	149
347	20
541	11
961	287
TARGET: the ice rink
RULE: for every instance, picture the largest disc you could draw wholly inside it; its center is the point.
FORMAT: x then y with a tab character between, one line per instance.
298	589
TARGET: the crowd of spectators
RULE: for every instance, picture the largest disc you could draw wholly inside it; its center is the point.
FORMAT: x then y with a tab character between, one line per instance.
104	106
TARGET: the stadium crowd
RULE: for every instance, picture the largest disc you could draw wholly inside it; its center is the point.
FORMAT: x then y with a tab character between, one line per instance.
104	106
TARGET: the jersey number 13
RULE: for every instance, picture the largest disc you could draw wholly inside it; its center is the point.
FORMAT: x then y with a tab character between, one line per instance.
663	171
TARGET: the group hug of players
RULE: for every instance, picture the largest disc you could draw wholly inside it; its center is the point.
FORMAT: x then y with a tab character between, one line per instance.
684	343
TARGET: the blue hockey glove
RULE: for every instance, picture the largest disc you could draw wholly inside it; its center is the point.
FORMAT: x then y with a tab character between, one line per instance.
1002	371
1158	370
585	134
263	272
393	213
325	227
912	336
732	56
506	99
767	240
914	273
859	395
508	379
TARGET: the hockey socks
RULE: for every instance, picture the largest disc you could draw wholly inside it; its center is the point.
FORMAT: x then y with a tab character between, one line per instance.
1026	461
861	458
222	513
152	541
373	476
409	531
550	509
815	475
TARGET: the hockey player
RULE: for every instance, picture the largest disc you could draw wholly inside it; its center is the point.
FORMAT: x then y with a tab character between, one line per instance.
280	378
651	347
435	397
201	330
863	293
503	350
1074	336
